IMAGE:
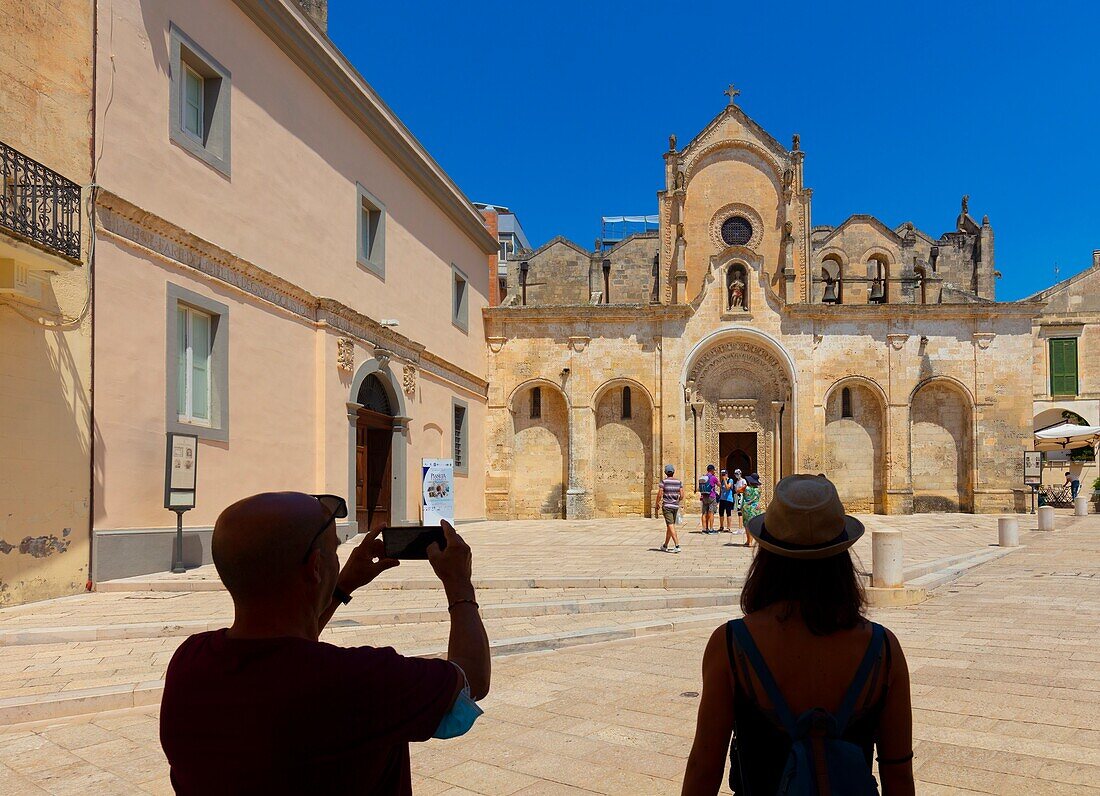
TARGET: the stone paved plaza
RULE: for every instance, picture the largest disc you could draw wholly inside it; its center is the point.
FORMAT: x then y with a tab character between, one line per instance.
598	639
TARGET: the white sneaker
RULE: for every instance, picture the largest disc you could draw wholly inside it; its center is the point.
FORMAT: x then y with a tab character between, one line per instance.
675	549
664	548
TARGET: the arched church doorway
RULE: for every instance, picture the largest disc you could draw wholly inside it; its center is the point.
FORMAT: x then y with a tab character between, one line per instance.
738	391
373	454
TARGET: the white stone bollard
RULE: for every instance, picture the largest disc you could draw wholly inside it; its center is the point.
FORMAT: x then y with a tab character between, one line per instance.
1081	505
1046	518
886	561
1008	532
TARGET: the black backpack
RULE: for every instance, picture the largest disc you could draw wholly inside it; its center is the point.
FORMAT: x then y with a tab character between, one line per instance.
821	762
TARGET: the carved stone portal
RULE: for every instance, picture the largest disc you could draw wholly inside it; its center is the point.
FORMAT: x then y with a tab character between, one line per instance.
742	388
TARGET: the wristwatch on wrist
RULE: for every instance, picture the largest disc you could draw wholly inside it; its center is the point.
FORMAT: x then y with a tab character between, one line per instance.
341	595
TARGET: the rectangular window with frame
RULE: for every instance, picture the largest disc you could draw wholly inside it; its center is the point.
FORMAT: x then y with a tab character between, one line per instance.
371	229
1063	366
199	104
460	289
460	451
197	376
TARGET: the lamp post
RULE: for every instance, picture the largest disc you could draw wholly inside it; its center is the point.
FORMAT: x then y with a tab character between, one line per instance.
523	266
606	281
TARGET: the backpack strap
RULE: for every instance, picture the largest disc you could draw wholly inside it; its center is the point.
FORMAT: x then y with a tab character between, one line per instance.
847	705
737	630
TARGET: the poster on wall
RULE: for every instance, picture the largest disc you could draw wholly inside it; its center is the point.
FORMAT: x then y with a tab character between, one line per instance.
180	467
437	490
1033	467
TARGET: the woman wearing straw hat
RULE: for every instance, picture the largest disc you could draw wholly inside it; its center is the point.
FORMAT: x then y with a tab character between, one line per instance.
805	684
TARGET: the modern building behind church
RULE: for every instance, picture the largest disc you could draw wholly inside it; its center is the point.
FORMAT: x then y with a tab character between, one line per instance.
740	334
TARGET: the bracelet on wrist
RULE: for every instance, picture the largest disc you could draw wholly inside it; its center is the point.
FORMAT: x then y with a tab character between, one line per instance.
459	602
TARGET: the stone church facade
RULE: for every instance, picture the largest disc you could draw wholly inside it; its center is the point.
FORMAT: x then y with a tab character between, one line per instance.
741	335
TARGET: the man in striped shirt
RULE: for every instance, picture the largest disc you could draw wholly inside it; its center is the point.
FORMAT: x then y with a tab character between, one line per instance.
670	496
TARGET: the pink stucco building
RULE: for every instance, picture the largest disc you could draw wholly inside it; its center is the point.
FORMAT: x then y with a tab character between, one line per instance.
281	269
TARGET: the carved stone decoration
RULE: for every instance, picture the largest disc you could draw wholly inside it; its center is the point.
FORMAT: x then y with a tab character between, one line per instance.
345	354
383	356
408	380
796	142
672	143
679	181
579	342
983	339
496	343
897	341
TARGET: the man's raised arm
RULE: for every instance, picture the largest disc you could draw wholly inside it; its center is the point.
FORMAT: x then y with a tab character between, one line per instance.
468	645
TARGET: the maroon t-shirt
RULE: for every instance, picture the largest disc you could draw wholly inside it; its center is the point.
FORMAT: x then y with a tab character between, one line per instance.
288	715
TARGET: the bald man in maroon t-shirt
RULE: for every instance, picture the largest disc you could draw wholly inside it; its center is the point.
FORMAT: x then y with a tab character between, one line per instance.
264	707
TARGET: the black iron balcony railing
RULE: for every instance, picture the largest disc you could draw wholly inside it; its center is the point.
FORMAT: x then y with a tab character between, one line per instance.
38	204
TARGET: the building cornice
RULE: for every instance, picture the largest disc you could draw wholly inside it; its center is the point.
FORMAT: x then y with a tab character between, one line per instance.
858	312
285	24
590	313
122	220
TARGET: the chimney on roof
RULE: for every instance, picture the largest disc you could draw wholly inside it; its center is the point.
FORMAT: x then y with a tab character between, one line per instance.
1096	258
317	10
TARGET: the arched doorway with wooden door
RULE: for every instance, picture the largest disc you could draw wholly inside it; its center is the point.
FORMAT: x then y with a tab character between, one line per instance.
377	458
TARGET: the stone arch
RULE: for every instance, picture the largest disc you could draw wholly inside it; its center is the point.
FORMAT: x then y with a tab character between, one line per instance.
540	452
879	265
379	368
764	155
832	276
855	445
741	386
623	484
941	443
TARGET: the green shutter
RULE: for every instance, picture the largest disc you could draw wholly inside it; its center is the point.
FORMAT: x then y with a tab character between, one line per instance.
1063	366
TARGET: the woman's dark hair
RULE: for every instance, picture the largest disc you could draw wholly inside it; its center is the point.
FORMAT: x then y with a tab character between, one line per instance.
826	591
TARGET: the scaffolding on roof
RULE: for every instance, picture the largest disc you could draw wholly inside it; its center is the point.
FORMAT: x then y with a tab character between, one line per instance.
615	229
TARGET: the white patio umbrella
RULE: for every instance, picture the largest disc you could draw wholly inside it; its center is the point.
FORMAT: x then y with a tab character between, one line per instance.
1067	436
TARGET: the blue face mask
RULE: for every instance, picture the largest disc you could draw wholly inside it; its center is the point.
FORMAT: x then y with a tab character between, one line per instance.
462	715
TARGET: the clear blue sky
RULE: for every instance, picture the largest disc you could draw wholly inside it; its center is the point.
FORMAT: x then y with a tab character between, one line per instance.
561	110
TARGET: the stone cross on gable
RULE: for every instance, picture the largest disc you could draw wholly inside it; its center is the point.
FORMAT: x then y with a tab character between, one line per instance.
731	92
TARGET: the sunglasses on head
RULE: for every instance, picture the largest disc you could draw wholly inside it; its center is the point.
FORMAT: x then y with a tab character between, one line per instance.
335	507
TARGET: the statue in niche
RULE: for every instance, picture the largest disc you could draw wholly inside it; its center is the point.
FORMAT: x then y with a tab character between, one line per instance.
735	289
679	181
788	230
680	232
788	179
672	143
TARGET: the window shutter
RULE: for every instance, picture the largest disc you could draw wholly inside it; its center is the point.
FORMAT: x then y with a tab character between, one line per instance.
200	366
1063	366
181	360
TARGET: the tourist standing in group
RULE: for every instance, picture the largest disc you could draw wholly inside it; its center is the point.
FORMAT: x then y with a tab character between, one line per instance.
750	504
805	686
708	499
739	485
670	497
725	502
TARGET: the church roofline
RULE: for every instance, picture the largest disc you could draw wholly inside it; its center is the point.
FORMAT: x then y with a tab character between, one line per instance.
866	218
730	110
552	242
558	313
1046	293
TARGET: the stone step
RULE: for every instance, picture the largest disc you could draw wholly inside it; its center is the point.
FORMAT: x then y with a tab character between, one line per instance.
353	618
46	706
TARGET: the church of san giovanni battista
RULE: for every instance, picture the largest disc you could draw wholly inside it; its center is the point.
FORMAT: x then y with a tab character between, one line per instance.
739	334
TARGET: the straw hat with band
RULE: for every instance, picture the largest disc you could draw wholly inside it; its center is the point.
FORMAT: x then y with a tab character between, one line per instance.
805	519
